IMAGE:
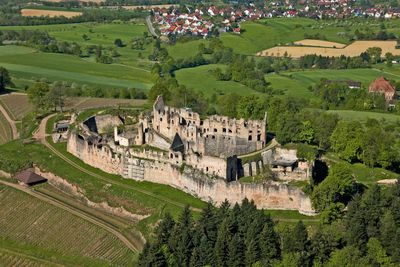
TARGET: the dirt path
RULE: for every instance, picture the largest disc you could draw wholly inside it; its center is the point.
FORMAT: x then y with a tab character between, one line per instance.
40	135
74	211
12	123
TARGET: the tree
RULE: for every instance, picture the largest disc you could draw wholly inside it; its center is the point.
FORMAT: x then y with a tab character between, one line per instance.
5	79
37	94
346	140
118	43
57	95
348	257
389	58
375	54
338	186
269	244
236	249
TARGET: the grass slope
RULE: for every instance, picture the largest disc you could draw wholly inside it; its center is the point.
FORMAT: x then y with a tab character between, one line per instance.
296	83
31	65
200	79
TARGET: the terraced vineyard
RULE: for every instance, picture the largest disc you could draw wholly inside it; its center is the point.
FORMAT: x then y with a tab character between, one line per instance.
17	105
9	258
37	223
5	130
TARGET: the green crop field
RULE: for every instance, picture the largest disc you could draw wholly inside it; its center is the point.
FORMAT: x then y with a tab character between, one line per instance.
98	34
30	221
296	83
32	66
200	79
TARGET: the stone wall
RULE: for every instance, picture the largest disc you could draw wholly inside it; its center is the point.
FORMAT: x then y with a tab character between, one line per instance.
194	182
99	157
266	196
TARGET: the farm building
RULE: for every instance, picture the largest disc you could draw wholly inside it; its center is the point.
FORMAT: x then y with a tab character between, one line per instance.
383	86
29	177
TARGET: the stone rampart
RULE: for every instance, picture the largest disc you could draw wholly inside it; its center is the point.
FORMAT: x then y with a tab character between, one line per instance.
192	181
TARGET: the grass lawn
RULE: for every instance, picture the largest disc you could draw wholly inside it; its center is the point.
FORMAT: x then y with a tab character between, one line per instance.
200	79
364	115
185	49
362	173
30	65
296	83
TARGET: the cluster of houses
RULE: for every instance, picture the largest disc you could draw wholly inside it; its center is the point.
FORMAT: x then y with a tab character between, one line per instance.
202	20
172	22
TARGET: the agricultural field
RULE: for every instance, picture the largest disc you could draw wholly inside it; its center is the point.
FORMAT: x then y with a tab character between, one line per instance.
200	79
100	34
352	50
5	130
26	12
319	43
296	83
28	66
17	105
37	223
264	34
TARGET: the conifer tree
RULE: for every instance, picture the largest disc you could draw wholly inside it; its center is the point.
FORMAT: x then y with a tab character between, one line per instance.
221	245
269	244
252	253
236	252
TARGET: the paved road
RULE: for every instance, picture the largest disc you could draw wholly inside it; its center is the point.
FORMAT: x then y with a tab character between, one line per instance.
11	122
76	212
150	27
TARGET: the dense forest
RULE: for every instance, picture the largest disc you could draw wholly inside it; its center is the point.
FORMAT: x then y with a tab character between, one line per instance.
365	235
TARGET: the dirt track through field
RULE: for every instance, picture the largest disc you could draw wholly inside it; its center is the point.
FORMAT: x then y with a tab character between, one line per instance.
75	212
11	122
40	135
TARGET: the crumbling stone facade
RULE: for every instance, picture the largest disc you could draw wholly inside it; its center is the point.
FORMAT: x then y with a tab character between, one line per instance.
175	147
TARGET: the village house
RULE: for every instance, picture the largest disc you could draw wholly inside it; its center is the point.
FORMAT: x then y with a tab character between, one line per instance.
382	86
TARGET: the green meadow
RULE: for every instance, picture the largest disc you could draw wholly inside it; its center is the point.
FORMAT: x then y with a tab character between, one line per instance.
27	65
296	83
201	79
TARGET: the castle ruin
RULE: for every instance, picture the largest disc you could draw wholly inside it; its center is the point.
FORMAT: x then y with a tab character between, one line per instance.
175	146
